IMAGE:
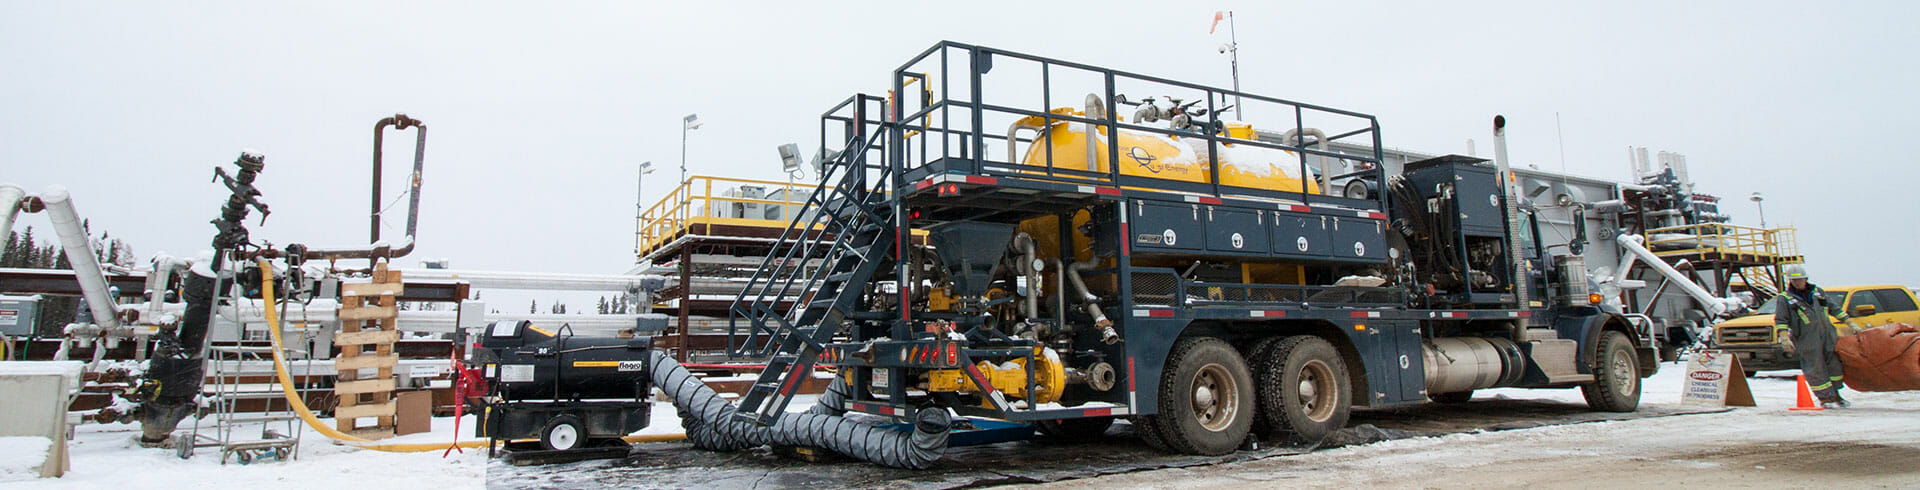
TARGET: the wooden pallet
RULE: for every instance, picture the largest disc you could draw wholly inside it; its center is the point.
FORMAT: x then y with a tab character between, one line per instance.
368	314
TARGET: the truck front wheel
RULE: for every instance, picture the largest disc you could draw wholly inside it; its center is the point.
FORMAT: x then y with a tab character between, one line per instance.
1304	389
1616	378
1206	398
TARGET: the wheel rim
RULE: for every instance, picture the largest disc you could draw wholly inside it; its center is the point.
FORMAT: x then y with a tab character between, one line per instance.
564	436
1317	393
1624	379
1216	400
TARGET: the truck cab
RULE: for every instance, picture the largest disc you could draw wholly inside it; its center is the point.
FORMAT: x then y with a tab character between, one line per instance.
1751	337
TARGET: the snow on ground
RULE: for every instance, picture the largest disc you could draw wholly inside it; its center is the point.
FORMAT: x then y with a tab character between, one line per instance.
1874	443
20	457
1671	448
107	457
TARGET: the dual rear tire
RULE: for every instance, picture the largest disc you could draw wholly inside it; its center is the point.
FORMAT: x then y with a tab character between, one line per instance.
1211	399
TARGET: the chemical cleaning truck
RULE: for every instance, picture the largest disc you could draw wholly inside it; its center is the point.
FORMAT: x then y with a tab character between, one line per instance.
1101	244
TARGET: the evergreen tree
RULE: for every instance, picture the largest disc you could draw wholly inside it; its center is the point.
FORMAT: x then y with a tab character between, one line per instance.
30	250
12	251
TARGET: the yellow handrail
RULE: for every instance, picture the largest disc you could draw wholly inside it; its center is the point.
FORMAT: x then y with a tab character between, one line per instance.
1723	238
695	198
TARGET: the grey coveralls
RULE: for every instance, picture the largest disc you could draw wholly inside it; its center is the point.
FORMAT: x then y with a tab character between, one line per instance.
1805	318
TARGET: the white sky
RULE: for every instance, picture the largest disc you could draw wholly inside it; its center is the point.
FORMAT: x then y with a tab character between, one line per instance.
539	115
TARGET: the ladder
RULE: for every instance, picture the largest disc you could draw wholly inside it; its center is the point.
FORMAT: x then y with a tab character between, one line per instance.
232	423
845	227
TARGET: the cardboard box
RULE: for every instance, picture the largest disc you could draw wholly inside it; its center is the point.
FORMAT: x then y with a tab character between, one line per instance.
413	413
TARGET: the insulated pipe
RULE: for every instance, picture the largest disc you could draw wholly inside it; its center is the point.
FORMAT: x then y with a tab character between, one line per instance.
10	196
164	266
539	281
711	425
86	269
1715	306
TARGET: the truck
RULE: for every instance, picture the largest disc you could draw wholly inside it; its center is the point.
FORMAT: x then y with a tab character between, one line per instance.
1124	248
1752	339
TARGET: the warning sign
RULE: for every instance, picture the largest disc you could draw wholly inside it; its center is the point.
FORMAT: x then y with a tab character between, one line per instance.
1714	378
9	317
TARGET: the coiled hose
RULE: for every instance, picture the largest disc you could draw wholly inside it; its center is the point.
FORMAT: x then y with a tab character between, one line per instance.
711	425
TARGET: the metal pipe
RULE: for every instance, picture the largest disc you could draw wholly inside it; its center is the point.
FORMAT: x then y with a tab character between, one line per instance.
1714	305
1013	132
86	269
1095	110
10	196
1107	333
1296	135
1028	259
1514	230
399	122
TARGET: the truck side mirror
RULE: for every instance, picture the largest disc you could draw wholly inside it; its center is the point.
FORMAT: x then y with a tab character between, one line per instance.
1863	310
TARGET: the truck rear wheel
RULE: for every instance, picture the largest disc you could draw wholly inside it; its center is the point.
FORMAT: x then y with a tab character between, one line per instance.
1616	378
1206	398
1148	428
1304	389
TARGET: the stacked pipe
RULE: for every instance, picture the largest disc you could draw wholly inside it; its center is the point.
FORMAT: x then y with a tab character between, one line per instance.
711	425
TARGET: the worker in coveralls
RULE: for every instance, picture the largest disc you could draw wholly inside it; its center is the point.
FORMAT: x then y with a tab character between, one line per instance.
1801	326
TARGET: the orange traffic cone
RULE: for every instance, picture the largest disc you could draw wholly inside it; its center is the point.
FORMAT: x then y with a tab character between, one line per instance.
1805	401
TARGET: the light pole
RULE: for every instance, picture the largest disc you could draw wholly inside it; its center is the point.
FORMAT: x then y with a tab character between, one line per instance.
1232	50
691	122
639	204
1757	198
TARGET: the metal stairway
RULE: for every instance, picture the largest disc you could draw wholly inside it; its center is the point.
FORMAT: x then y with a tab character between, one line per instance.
845	228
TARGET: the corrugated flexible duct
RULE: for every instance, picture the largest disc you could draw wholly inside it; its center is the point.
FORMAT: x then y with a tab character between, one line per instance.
711	425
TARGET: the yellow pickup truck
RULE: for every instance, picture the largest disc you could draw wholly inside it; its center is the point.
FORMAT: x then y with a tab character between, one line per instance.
1751	337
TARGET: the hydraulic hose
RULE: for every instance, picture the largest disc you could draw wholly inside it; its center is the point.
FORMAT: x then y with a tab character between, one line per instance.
711	424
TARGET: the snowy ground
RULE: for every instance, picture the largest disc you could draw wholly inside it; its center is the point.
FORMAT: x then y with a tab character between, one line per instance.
106	457
1875	443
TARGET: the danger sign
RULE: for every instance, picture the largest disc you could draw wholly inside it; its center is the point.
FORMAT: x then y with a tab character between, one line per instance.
1714	378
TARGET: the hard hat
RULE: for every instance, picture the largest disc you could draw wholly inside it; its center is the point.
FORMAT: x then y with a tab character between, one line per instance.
1795	271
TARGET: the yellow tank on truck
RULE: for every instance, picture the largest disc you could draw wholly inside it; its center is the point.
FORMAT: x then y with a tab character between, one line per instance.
1159	156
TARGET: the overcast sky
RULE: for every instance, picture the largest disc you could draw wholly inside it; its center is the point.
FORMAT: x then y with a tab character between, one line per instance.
539	115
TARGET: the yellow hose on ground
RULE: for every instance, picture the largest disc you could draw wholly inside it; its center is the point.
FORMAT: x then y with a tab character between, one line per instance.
300	406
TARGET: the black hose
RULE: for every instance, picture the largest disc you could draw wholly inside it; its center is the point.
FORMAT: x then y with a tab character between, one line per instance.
711	425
